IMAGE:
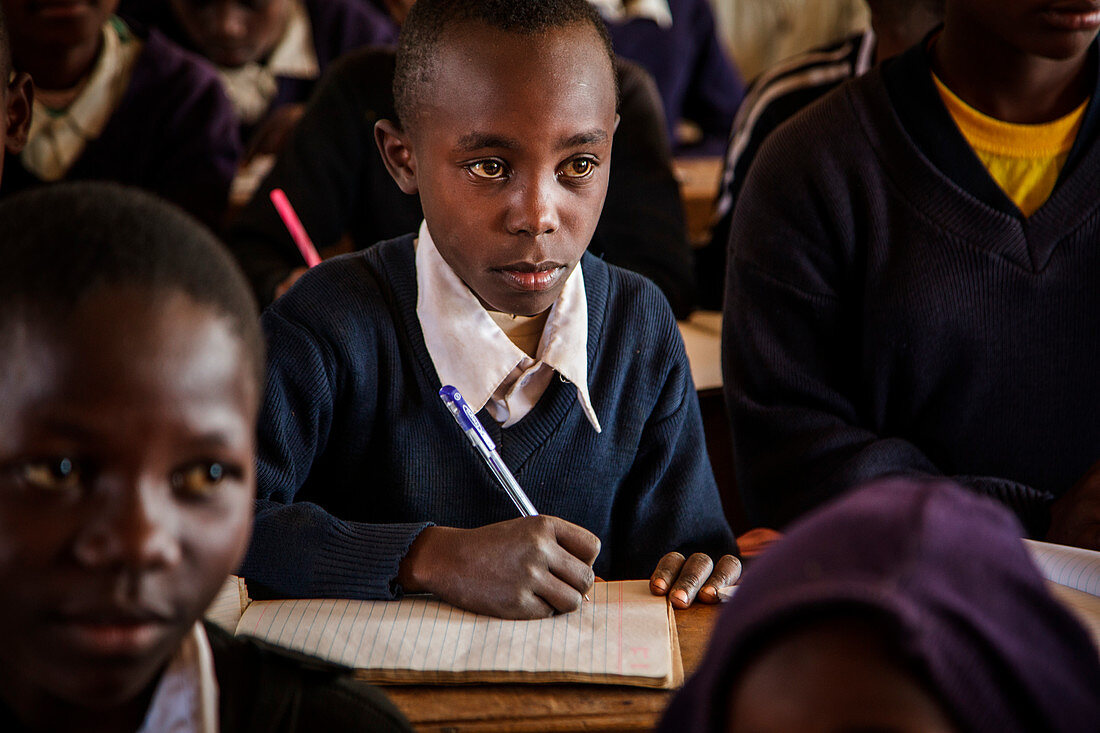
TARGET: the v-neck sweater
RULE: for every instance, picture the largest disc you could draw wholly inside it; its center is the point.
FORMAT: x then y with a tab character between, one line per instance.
357	453
889	310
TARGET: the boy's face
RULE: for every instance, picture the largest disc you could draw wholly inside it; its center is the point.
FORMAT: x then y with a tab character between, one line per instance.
55	23
233	32
1050	29
126	488
510	152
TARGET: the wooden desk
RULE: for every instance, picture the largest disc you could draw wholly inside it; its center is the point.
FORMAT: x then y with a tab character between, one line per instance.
698	186
547	708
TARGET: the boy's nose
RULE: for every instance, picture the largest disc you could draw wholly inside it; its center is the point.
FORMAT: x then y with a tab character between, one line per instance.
133	528
230	22
534	209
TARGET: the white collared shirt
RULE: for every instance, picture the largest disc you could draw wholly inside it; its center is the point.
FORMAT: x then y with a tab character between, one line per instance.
472	353
251	87
186	698
621	10
58	137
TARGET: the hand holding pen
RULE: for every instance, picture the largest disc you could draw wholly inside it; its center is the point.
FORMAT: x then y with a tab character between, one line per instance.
529	567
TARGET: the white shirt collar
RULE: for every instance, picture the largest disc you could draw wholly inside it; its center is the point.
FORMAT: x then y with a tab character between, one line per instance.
470	351
252	87
186	698
622	10
57	140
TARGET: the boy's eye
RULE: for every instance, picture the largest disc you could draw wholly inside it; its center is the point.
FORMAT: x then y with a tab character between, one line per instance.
199	479
579	168
491	169
52	474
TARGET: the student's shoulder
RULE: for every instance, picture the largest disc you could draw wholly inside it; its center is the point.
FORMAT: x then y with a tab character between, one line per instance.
264	687
631	305
352	290
340	26
162	61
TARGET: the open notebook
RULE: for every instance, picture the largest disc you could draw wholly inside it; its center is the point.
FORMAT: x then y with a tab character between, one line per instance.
1074	577
625	635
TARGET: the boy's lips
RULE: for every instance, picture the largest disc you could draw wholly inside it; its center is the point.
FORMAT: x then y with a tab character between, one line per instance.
60	8
532	277
1073	16
112	633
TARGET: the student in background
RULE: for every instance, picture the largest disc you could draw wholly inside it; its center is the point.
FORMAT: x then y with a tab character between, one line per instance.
133	370
367	487
676	41
114	103
906	606
269	55
912	282
333	175
788	87
15	100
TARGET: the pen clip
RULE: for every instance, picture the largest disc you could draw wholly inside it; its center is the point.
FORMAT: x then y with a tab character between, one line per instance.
466	418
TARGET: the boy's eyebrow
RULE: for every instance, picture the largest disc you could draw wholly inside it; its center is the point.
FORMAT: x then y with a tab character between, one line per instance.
474	141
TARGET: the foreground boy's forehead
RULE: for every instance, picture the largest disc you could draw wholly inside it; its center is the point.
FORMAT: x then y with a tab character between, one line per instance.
477	59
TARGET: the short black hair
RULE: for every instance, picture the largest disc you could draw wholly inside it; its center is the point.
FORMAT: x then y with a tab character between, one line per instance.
62	243
5	49
428	20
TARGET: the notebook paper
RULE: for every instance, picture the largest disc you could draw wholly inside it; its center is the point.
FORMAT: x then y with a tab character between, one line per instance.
1069	566
624	635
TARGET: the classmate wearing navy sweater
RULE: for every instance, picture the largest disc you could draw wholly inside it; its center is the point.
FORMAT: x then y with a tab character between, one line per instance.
113	102
915	291
367	486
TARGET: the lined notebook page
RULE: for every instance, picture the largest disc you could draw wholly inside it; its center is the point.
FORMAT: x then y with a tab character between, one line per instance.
623	635
228	606
1069	566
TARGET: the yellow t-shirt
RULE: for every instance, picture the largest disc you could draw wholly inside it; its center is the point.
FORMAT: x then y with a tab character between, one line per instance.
1024	160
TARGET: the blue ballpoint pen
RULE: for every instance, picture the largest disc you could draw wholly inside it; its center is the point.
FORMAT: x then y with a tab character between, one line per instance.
485	446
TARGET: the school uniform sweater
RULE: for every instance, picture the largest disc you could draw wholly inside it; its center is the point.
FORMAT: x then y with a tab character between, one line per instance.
173	133
357	453
773	98
697	79
890	311
333	174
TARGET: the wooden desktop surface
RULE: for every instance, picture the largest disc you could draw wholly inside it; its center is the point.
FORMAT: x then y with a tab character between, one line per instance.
552	708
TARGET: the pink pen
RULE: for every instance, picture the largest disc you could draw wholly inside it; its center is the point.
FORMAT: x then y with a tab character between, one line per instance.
294	226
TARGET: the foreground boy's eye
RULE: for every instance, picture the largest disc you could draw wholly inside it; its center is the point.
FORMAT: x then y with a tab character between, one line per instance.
491	169
52	474
199	479
579	168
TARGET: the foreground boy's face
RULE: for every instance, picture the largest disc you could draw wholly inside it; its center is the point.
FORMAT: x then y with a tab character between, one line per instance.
511	150
64	23
126	487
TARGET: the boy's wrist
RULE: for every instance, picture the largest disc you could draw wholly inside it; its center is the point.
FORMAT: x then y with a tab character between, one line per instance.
416	569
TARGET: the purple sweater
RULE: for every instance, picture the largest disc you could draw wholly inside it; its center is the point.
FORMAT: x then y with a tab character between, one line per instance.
173	133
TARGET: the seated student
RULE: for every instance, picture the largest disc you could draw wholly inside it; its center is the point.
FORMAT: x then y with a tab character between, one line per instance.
367	486
335	179
906	606
269	55
676	41
15	100
115	103
785	89
133	369
912	282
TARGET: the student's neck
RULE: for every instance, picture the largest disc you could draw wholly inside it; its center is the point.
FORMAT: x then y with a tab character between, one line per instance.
57	69
1006	84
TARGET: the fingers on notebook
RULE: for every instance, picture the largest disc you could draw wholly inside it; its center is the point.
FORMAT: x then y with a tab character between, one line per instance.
683	580
576	540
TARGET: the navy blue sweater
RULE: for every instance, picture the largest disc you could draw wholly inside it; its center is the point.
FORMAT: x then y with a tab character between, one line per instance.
357	453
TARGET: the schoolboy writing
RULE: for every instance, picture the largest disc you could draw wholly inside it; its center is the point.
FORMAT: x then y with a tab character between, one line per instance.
915	291
131	377
367	488
114	102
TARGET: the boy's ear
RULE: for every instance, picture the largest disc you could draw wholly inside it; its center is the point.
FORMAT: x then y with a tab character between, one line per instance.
17	115
393	143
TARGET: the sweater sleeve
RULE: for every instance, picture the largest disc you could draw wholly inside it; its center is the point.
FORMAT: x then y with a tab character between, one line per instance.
299	549
790	341
670	500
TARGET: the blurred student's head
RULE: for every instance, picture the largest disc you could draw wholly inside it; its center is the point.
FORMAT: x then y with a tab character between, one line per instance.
55	26
233	33
506	113
905	606
129	388
16	94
